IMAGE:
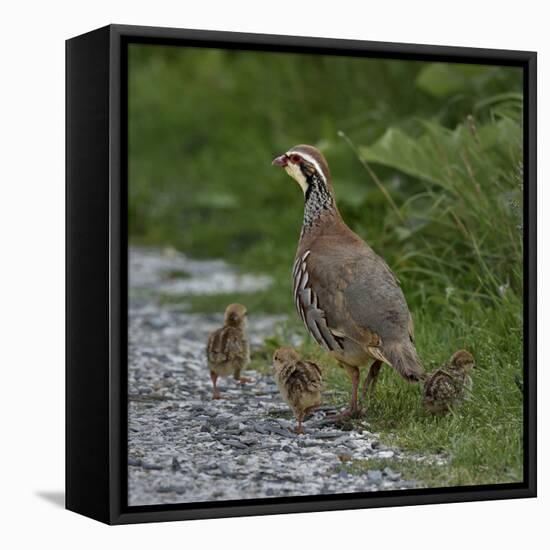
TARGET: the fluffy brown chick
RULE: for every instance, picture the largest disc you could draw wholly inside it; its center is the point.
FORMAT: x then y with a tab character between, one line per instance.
449	385
300	383
228	351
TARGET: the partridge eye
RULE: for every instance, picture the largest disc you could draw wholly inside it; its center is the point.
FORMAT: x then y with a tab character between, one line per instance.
295	158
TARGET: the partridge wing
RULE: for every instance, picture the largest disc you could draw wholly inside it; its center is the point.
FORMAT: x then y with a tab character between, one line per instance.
310	310
375	301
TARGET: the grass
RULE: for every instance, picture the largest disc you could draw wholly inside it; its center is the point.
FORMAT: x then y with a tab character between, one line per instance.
427	473
427	162
268	301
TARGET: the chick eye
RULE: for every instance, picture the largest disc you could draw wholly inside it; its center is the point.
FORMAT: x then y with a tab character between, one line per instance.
295	159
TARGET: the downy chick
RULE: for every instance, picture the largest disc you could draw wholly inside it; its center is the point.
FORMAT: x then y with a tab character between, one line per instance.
450	384
228	350
300	383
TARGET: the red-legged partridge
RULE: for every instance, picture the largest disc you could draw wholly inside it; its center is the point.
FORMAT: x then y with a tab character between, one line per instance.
449	385
347	296
300	383
228	351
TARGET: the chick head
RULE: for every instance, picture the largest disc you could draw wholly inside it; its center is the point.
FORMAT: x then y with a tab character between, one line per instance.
463	360
283	356
235	315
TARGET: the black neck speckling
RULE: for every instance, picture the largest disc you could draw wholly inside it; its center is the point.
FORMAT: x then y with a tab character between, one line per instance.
318	200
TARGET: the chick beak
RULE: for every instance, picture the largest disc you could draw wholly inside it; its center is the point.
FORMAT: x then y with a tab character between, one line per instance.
281	161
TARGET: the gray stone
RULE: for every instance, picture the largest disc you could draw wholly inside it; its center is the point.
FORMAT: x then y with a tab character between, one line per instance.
390	474
374	475
280	456
178	489
176	467
385	454
234	443
149	466
326	435
224	469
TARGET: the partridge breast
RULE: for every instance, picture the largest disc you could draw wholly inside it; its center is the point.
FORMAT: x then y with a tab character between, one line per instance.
348	298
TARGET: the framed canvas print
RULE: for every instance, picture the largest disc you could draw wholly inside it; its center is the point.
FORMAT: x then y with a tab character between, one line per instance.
300	274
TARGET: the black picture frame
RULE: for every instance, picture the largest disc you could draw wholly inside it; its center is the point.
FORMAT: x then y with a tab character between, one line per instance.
97	270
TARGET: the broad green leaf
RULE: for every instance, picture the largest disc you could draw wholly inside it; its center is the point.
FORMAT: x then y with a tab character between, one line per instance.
440	80
444	79
441	156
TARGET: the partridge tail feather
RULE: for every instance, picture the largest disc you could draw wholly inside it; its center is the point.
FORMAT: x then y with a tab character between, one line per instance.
403	358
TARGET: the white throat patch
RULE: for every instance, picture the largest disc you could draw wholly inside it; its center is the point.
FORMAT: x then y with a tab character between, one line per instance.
293	170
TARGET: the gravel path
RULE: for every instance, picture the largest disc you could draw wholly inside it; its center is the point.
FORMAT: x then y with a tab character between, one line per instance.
184	447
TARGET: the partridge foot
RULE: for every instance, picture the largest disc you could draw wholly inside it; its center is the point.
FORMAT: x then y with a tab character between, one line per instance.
346	414
242	380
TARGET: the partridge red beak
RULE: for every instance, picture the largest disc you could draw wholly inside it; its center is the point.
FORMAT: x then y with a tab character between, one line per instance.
281	161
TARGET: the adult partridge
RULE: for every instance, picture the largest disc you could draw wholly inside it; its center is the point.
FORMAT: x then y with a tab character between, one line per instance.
300	383
227	350
449	385
347	296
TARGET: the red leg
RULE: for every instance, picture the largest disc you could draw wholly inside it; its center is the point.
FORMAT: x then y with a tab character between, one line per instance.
354	409
371	379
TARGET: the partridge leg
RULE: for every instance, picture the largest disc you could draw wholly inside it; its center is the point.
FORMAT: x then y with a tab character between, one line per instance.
371	379
215	391
354	407
353	410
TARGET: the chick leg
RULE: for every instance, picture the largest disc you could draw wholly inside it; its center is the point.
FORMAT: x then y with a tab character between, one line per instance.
241	379
299	428
215	391
371	379
311	409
